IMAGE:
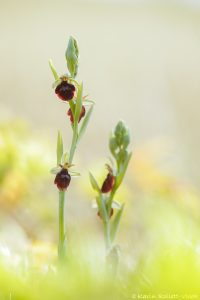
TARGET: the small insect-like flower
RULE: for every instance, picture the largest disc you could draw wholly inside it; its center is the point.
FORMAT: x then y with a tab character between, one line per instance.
111	213
63	176
62	179
64	90
82	114
109	182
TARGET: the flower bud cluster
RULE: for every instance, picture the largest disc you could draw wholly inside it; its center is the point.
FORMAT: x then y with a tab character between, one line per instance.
65	87
118	144
119	141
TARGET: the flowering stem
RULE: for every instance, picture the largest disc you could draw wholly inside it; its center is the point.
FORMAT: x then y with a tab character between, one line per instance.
110	199
62	235
70	91
62	239
107	235
75	124
73	145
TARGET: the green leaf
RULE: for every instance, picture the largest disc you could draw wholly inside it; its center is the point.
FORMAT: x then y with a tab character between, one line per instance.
71	55
59	148
53	70
115	223
85	122
102	208
72	106
94	183
99	199
122	171
78	105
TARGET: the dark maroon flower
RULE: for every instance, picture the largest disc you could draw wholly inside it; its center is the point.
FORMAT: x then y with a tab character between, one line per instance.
111	213
108	183
62	179
65	91
82	114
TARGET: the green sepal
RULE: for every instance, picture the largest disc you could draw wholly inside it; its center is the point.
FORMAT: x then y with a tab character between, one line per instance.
116	205
56	83
55	170
75	174
90	102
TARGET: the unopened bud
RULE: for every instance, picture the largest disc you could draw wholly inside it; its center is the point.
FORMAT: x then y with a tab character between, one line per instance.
71	55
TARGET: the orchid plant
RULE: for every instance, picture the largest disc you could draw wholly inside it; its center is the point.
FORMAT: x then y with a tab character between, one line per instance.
69	91
109	210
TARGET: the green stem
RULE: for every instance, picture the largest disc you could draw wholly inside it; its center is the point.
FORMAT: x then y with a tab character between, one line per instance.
62	236
110	199
74	141
112	194
107	235
73	145
62	239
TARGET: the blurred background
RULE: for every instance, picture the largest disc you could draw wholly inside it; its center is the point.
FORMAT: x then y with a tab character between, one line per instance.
140	62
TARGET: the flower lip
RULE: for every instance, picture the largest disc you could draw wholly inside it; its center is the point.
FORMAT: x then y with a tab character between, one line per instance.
82	114
62	179
109	182
65	91
111	213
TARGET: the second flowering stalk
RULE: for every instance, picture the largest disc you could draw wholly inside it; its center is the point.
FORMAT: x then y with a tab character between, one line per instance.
109	210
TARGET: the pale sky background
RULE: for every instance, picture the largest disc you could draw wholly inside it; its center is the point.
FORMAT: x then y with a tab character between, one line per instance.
139	60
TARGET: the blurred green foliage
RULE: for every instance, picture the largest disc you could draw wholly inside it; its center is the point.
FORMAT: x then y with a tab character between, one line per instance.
159	237
24	176
22	161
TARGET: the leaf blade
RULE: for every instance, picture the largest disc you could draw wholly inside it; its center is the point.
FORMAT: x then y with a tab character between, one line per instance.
85	122
53	70
94	183
115	223
59	148
122	172
78	105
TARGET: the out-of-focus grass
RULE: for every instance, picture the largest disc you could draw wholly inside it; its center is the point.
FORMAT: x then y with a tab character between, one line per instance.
25	161
169	270
22	161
